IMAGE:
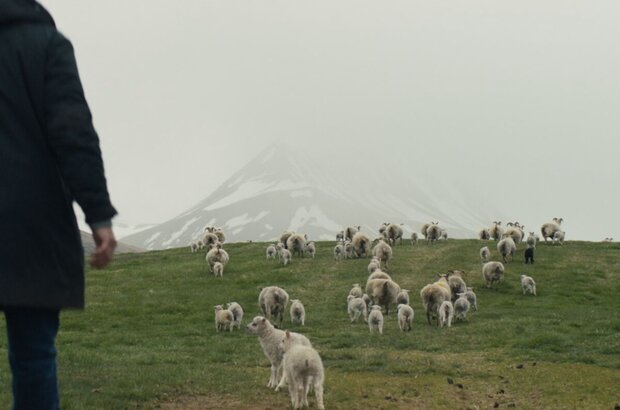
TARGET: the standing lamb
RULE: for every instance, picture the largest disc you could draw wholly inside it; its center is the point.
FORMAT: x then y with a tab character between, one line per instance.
531	240
310	248
492	272
461	307
285	256
528	285
446	313
507	247
302	366
361	244
414	238
558	237
272	302
356	307
270	339
237	312
218	269
223	319
484	234
485	254
405	317
271	252
298	312
349	250
375	319
338	252
471	297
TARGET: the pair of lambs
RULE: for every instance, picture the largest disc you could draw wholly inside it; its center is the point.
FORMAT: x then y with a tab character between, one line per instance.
228	318
405	318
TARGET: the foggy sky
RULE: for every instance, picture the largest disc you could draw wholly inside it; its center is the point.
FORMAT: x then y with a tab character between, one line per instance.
518	98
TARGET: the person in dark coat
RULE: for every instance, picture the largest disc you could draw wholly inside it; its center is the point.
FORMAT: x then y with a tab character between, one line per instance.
49	157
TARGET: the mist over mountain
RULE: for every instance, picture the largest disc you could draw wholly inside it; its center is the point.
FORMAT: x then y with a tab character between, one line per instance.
288	188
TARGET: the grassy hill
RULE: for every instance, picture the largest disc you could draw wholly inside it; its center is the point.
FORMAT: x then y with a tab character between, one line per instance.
147	338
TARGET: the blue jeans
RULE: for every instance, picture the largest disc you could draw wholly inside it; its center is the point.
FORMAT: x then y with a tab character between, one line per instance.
32	356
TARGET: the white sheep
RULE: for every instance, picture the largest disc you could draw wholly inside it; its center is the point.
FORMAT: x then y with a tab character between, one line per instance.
383	292
549	229
507	247
310	248
393	233
210	239
496	230
285	256
484	234
383	252
531	240
424	229
298	312
302	366
456	282
485	254
443	234
296	244
558	237
403	297
433	295
218	269
217	254
271	252
221	237
270	340
471	296
338	252
461	307
237	312
446	313
356	307
375	319
349	250
375	264
356	290
361	244
515	233
350	232
272	301
378	275
224	319
414	238
284	238
405	317
193	247
492	272
528	285
433	233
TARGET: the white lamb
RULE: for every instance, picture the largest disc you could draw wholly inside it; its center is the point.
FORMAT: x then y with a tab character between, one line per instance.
285	256
471	296
338	252
271	252
446	313
224	319
405	317
310	248
298	312
414	238
302	367
237	312
270	339
218	269
461	307
403	297
375	319
485	254
558	237
528	285
356	307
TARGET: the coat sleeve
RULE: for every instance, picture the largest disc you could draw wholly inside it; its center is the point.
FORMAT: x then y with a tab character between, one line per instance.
70	132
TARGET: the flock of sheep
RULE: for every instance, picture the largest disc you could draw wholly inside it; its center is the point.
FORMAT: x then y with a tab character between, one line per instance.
444	300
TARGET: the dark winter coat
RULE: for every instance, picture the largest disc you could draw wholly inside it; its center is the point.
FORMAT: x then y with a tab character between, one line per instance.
49	157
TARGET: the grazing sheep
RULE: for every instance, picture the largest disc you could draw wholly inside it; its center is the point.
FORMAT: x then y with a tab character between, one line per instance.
298	312
383	292
224	319
237	312
528	285
484	234
350	232
471	297
461	307
356	307
529	255
270	339
456	282
531	240
433	295
302	366
218	269
383	252
217	254
424	229
549	229
285	256
485	254
403	297
446	313
492	272
496	230
375	264
361	244
405	317
310	248
284	238
271	252
558	237
356	290
338	252
272	301
375	319
414	238
349	250
340	236
433	233
377	274
295	243
507	247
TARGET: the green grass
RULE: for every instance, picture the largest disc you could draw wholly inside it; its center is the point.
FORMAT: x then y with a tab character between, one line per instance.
147	337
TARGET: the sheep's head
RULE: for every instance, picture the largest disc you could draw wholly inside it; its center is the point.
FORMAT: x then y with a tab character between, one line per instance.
218	308
376	307
258	325
287	341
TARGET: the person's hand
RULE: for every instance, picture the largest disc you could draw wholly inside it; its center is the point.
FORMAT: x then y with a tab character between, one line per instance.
106	243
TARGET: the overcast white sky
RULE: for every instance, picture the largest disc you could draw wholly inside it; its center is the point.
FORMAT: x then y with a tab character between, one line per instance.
521	96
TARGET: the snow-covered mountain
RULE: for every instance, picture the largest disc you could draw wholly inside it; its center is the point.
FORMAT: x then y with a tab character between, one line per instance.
286	188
